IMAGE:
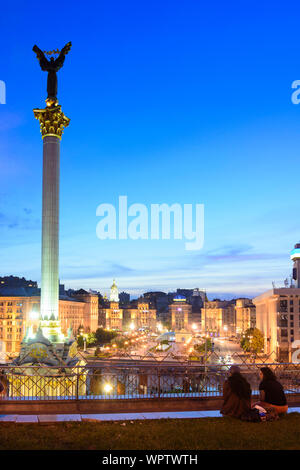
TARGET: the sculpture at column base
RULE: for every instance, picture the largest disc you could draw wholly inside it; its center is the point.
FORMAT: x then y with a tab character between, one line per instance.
39	349
47	369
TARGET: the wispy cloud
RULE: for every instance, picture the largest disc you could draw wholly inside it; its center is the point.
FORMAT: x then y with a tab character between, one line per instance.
24	221
238	253
106	270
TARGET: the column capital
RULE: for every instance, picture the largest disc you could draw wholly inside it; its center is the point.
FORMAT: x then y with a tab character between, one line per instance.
52	121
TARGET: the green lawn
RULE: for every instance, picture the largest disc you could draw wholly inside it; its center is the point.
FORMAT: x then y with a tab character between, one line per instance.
185	434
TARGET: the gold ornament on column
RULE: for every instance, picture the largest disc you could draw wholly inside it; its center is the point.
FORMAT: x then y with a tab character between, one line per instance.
52	121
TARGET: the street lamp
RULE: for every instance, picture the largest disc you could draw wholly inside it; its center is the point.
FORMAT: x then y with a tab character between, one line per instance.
33	315
107	388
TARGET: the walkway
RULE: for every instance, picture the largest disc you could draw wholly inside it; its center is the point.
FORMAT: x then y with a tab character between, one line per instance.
47	419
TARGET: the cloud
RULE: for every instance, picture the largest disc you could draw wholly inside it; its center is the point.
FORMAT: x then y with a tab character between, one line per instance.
106	270
10	222
235	254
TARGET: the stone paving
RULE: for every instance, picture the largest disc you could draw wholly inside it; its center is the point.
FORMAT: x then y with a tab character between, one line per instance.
44	419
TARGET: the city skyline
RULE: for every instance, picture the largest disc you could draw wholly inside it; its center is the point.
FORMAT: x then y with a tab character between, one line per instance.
161	128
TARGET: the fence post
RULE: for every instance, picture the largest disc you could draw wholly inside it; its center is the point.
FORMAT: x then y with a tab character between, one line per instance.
158	376
77	385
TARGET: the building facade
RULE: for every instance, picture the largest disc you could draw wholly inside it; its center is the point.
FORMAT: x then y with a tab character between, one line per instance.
180	312
278	318
245	315
143	316
72	313
111	310
20	310
218	317
90	301
16	312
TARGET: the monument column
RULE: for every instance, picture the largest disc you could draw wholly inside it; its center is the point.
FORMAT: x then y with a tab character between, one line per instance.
52	122
48	346
50	228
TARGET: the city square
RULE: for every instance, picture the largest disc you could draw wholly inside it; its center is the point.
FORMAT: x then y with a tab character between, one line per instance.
177	314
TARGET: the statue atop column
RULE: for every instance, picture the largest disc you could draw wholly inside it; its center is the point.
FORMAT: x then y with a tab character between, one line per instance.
52	66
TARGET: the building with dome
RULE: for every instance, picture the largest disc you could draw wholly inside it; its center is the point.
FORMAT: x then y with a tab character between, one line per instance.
112	312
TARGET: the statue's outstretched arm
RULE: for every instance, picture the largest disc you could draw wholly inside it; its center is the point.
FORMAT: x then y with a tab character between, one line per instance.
41	57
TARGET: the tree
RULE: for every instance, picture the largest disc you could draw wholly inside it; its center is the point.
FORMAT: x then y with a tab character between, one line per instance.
121	342
104	336
80	342
252	341
201	347
90	340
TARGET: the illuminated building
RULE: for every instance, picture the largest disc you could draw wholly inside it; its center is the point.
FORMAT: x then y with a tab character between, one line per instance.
90	320
218	317
245	315
114	293
278	315
13	312
143	316
295	256
111	311
19	312
180	314
72	315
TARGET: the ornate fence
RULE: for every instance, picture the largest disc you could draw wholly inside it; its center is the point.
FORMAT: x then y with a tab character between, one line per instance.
138	380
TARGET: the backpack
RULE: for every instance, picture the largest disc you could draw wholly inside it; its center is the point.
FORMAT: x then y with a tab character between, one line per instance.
271	414
254	415
251	415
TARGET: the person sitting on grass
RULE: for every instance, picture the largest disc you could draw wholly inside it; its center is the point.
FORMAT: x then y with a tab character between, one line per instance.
271	392
236	394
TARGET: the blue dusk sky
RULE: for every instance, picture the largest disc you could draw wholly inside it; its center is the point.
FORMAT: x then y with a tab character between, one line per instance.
170	102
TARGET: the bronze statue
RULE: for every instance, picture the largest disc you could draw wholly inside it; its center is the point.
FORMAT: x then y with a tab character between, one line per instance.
52	66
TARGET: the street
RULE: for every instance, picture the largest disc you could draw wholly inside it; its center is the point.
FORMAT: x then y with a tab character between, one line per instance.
228	350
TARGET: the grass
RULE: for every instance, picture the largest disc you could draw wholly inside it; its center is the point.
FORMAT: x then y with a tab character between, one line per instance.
170	434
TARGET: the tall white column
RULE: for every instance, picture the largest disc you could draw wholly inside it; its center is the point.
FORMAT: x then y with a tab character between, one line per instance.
52	124
50	228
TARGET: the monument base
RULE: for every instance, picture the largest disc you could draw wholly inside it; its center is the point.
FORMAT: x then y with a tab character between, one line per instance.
47	368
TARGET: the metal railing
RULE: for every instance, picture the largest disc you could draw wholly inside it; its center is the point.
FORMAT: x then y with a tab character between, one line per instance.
133	381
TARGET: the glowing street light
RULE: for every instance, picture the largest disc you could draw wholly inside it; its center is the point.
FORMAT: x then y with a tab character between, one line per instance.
33	315
107	388
132	326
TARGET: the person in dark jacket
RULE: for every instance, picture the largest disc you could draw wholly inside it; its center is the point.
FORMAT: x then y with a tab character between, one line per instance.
236	394
271	392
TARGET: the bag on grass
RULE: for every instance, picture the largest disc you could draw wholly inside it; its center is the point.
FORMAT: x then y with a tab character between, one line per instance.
271	414
251	415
